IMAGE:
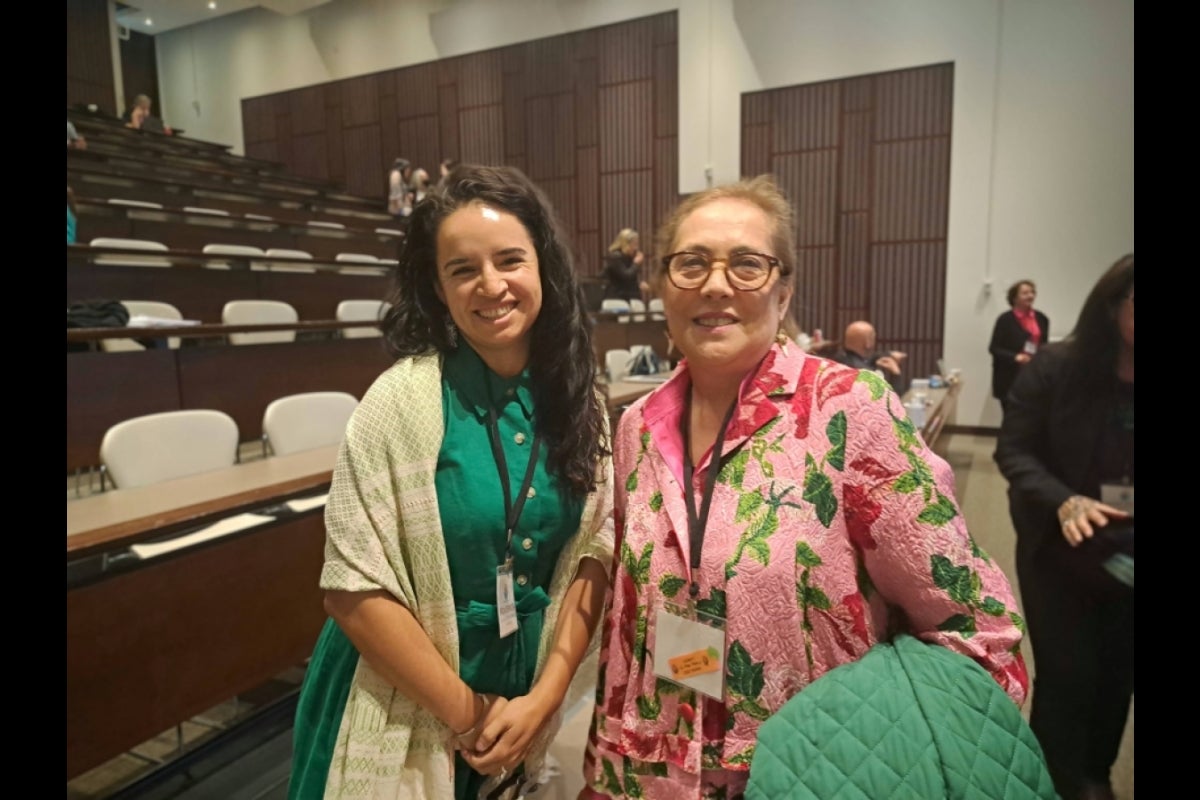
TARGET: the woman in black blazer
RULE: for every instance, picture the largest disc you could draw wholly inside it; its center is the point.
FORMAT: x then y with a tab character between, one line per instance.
1013	341
1066	448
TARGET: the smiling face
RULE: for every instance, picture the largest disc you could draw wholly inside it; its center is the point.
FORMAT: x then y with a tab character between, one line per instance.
488	277
722	331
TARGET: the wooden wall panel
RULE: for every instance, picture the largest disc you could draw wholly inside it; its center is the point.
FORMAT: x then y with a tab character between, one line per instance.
89	56
866	163
591	116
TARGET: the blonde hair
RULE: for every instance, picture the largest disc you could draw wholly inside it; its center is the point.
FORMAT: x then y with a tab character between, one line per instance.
623	239
762	192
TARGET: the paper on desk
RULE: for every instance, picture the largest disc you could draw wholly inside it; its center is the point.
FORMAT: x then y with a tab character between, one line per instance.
218	529
144	321
305	503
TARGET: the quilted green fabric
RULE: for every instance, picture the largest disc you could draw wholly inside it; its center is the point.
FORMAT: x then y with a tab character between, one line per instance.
908	720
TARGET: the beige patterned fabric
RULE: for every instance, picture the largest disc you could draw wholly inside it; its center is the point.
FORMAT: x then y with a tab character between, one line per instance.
384	532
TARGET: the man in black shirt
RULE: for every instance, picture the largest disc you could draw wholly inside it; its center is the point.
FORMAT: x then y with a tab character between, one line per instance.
858	350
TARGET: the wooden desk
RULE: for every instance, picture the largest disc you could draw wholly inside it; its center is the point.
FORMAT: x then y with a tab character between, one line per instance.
151	643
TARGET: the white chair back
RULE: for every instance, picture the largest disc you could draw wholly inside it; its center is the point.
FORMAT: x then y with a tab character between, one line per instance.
283	252
174	444
256	312
130	261
655	307
307	421
616	364
212	212
143	308
615	306
219	249
120	201
639	310
361	311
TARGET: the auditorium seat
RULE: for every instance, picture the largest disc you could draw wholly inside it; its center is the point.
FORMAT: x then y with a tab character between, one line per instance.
144	308
258	312
306	421
173	444
218	249
283	252
128	260
120	201
359	258
361	311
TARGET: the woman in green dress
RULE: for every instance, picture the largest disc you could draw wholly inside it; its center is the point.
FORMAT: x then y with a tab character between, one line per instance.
469	531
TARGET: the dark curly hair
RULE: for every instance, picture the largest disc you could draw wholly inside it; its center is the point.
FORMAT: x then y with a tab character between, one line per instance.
1096	339
562	365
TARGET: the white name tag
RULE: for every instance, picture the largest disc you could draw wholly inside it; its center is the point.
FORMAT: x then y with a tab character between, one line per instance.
1117	495
690	653
506	605
1031	348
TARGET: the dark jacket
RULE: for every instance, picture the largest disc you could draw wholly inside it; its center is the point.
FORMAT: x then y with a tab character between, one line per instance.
623	277
852	359
1008	339
1055	418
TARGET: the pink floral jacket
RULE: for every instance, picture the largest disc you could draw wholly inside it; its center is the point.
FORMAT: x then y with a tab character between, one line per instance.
832	526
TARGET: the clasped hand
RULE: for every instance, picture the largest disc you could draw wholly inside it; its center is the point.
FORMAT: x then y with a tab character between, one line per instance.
505	733
1080	515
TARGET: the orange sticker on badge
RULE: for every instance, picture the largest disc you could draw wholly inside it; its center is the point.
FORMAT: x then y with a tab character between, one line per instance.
700	662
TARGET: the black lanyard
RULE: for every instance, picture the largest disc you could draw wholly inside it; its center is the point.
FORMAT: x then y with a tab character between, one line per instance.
697	523
512	509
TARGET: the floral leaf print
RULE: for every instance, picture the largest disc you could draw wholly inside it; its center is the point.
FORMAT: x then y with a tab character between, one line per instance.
637	567
861	512
631	482
643	564
670	585
748	503
806	556
639	637
955	581
877	385
906	431
818	490
656	501
612	784
752	709
921	473
938	513
812	596
734	470
836	431
1018	621
632	787
906	483
649	707
743	757
659	769
745	678
713	605
666	687
993	607
872	468
959	623
866	586
833	381
977	551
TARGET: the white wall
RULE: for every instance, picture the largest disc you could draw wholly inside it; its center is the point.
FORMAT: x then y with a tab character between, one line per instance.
1042	146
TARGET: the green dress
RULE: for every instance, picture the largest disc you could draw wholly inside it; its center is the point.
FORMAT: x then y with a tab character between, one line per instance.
471	508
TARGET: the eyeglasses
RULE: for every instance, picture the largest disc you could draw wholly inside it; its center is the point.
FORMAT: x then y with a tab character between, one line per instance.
745	271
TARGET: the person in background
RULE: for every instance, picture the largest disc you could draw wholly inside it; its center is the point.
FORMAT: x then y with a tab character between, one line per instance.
139	117
1016	337
623	267
777	515
445	168
74	140
420	185
1066	448
858	351
71	216
469	523
400	191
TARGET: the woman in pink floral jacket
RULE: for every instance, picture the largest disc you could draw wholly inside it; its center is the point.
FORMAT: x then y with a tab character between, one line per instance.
827	525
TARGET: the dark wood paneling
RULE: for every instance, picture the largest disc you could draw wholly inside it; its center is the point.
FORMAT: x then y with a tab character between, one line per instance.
418	140
242	380
627	52
151	647
197	293
416	90
587	94
626	201
139	69
365	172
626	126
482	130
106	388
516	90
666	90
316	295
258	119
307	107
551	143
89	56
310	156
448	121
588	185
866	163
360	101
481	79
666	185
756	149
561	193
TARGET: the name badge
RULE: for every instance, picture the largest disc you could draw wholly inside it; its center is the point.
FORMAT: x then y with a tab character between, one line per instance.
1030	348
690	652
1117	495
506	605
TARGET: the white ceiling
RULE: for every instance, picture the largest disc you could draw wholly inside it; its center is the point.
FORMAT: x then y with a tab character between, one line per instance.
156	16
